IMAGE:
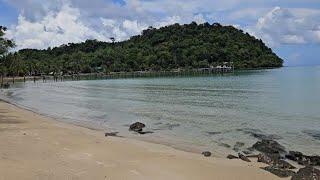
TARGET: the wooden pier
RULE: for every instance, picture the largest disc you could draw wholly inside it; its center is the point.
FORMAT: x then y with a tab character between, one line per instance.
119	75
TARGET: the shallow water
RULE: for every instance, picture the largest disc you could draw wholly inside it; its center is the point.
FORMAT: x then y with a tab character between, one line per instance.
194	113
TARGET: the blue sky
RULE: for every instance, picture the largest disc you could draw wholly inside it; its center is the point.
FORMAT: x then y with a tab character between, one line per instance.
290	27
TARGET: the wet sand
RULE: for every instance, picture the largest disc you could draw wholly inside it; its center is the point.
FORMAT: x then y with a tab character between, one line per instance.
37	147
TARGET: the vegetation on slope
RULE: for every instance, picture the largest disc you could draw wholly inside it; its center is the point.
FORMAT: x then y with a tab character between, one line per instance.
176	46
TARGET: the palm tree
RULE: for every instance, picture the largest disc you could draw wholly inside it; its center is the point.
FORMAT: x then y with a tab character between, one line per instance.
113	39
3	71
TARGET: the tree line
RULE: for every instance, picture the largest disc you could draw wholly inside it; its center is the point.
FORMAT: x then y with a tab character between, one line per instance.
185	46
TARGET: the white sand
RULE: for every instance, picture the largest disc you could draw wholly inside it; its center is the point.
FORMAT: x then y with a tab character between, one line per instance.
36	147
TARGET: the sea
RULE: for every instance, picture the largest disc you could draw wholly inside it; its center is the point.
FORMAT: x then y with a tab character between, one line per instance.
221	113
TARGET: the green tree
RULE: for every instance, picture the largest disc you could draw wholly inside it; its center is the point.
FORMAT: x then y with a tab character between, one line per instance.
176	46
5	44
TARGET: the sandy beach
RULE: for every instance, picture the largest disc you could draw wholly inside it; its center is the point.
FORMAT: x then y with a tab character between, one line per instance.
36	147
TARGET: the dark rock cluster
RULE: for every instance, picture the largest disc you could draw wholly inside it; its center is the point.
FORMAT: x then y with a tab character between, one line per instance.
274	155
269	146
302	159
280	172
307	173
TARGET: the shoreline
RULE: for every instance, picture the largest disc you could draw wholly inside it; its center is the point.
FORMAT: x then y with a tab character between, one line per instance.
128	75
76	147
219	151
185	148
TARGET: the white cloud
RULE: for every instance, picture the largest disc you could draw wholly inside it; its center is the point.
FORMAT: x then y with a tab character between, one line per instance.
121	29
53	30
66	24
293	39
247	13
133	27
168	21
238	26
199	19
287	26
108	22
55	22
317	35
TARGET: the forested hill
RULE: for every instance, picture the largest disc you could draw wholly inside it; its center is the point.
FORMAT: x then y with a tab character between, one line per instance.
176	46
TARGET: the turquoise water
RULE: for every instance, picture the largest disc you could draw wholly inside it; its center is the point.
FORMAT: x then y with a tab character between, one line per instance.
194	113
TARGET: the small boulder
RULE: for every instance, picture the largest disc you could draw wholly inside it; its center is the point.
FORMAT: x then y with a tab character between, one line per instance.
252	156
274	161
314	160
309	160
282	173
307	173
230	156
243	157
284	164
303	159
137	127
206	153
265	159
269	147
294	155
111	134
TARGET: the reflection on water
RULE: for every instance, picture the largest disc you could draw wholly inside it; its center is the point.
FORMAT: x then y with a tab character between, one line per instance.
213	112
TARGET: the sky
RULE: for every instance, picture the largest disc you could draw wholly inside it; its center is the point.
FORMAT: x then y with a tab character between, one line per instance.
290	27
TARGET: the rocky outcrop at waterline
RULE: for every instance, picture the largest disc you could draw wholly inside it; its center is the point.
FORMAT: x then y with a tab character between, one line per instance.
307	173
302	159
274	161
269	146
280	172
265	159
275	156
270	152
